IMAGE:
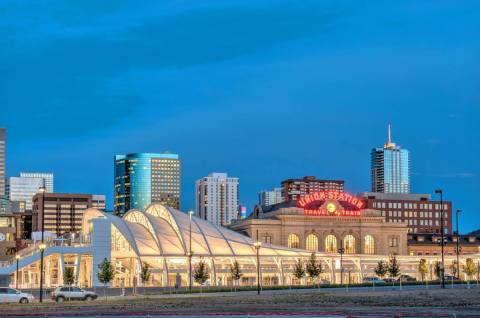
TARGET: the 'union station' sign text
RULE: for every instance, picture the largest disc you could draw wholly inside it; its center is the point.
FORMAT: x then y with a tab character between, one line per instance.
327	205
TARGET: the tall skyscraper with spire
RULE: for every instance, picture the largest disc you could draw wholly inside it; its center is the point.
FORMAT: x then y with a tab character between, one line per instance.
390	168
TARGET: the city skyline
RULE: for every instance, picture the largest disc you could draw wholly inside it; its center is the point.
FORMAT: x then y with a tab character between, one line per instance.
321	98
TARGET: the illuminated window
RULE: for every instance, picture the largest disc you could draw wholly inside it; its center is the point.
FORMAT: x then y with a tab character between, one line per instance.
331	244
312	243
349	244
119	243
369	245
293	241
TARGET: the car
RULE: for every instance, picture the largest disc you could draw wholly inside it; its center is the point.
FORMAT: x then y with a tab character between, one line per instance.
450	278
375	280
12	295
406	278
389	280
61	294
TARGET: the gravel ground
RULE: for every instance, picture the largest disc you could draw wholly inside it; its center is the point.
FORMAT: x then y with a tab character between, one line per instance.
418	303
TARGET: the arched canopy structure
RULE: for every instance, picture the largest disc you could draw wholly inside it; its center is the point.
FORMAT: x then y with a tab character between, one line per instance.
163	231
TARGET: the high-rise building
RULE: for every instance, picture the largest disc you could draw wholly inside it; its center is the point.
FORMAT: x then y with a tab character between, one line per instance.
145	178
294	189
23	189
270	197
47	179
390	168
3	158
63	211
419	211
217	198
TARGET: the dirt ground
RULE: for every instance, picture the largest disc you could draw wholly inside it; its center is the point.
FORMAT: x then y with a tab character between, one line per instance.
418	303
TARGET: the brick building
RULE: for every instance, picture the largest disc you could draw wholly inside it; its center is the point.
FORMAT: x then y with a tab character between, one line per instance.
294	189
422	214
63	211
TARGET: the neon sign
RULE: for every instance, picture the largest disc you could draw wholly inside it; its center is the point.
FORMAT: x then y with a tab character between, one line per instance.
326	203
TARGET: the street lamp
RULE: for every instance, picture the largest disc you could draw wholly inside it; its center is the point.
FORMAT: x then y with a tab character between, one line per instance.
257	246
190	213
439	191
341	250
458	248
42	248
17	258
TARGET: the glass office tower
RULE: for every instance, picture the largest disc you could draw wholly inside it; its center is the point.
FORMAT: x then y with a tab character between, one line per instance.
390	168
145	178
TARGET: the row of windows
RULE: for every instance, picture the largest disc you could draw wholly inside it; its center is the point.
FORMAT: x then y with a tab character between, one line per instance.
409	205
348	243
413	214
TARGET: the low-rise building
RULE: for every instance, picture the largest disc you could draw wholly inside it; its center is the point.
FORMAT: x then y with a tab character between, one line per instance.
419	211
430	244
62	212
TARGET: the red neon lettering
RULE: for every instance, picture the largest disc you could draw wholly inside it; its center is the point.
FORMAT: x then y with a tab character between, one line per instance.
360	204
301	202
321	195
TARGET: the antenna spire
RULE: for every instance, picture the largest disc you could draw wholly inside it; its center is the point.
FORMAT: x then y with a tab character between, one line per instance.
389	135
389	144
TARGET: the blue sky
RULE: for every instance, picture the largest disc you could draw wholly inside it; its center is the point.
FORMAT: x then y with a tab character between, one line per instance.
264	90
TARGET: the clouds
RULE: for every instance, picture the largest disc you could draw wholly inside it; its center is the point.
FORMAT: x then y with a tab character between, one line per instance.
261	89
64	55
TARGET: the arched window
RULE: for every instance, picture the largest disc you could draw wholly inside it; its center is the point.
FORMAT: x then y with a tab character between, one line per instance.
349	244
312	243
369	245
293	241
331	244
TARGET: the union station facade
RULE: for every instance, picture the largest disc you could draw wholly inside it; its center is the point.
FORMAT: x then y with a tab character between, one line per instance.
324	222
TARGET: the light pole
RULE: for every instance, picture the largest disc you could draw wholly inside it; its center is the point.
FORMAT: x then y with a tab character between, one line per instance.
257	246
458	248
42	245
42	248
341	250
442	232
190	252
17	258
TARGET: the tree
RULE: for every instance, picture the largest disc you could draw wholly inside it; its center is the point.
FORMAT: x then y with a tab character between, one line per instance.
299	269
235	273
393	268
469	269
314	267
453	269
69	276
200	273
422	268
437	268
105	274
145	275
381	269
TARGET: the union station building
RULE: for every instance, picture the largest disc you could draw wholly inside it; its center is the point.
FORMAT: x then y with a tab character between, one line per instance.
324	222
349	241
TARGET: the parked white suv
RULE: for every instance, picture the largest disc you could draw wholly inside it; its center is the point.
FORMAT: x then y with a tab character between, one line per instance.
60	294
11	295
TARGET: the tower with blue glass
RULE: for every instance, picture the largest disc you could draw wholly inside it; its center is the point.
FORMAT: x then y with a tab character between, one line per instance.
390	168
145	178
